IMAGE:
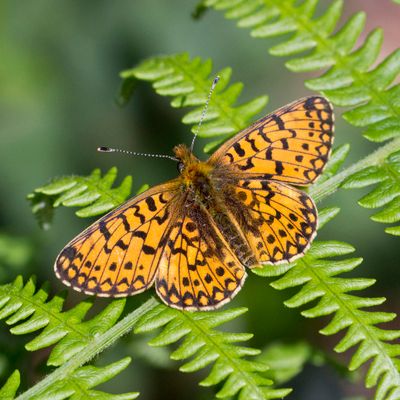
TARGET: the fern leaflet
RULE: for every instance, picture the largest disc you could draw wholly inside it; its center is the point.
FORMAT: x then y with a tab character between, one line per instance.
386	194
9	389
94	193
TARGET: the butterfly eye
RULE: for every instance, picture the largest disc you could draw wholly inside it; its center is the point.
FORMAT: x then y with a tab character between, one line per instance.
180	166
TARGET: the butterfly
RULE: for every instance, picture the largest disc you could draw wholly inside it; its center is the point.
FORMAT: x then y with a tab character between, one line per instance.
192	237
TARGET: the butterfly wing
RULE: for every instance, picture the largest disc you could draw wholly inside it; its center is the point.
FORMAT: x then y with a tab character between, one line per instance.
119	254
278	221
198	269
291	145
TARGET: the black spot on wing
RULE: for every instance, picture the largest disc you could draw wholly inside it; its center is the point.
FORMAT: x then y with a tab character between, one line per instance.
278	121
151	204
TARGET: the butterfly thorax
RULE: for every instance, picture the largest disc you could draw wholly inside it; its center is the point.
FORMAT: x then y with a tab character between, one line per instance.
207	188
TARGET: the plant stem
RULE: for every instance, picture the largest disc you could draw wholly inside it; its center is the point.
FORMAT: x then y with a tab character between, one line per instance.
319	192
97	345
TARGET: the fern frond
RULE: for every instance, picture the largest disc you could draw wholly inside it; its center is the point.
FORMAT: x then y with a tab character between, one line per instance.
385	195
94	195
351	80
29	310
317	274
79	385
205	345
76	340
188	82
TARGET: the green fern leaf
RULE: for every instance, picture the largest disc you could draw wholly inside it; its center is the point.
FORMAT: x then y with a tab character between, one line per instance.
204	345
351	79
386	195
188	82
8	391
317	274
93	194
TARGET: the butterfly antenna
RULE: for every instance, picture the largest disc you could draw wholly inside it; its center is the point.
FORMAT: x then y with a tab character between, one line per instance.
204	112
103	149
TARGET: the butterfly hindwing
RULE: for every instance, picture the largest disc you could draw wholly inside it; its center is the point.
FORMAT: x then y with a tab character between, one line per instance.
119	254
277	221
198	270
291	145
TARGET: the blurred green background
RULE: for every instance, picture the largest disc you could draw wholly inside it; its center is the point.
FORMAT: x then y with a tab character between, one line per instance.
59	80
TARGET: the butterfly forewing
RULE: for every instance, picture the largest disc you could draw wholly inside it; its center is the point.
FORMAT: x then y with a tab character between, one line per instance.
119	254
291	145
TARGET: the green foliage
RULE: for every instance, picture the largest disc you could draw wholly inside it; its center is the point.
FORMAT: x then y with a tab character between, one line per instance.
29	310
317	274
286	360
77	386
206	345
351	79
93	194
188	82
385	195
8	391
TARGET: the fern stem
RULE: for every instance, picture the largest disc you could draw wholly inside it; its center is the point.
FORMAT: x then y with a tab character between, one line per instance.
96	346
320	191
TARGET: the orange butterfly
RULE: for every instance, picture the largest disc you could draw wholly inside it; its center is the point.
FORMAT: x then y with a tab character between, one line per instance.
193	236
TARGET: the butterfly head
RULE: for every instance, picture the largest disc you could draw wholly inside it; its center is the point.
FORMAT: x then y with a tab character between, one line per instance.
185	157
192	170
